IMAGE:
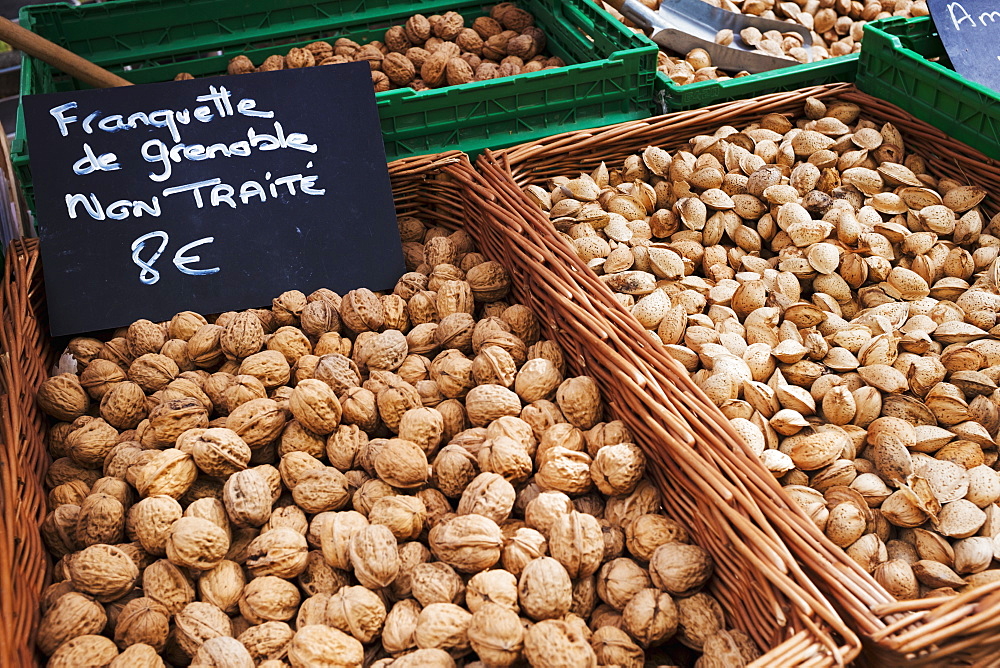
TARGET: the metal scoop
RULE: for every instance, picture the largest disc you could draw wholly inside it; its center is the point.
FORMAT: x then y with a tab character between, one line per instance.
682	25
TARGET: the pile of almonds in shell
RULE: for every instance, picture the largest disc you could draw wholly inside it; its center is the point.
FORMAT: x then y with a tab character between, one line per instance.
839	304
408	479
429	51
836	27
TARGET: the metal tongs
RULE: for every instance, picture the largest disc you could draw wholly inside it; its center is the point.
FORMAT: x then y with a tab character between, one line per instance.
682	25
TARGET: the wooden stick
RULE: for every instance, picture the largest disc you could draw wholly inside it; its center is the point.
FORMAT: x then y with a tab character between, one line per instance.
58	57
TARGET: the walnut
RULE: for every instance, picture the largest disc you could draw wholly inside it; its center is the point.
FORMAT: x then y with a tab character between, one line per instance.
103	571
522	46
417	56
63	397
138	656
72	615
272	63
458	72
617	469
144	336
369	493
281	552
319	577
551	643
198	622
196	543
268	366
222	586
525	545
614	647
315	406
318	646
495	46
402	464
468	543
443	626
258	421
700	617
299	58
247	496
338	371
650	617
544	589
433	72
345	47
619	580
486	71
396	40
269	598
488	494
124	405
240	65
436	582
101	519
449	27
361	311
417	29
400	631
576	542
84	349
647	532
152	518
267	641
320	317
100	376
404	515
494	586
86	650
374	556
454	297
116	350
243	335
399	68
380	81
171	419
357	611
167	584
565	470
222	652
485	403
205	348
168	472
142	620
680	569
469	41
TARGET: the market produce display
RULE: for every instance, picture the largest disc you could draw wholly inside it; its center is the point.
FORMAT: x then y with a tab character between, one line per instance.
839	304
836	26
408	479
429	51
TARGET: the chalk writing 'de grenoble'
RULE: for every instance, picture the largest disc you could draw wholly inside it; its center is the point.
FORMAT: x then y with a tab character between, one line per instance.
960	15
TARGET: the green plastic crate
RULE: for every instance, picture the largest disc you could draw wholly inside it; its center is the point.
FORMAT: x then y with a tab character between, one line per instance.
671	97
610	76
895	66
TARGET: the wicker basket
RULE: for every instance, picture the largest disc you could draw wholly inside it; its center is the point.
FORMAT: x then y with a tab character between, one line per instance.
963	630
763	589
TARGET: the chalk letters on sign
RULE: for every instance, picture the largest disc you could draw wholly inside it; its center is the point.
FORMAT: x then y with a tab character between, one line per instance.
209	194
970	32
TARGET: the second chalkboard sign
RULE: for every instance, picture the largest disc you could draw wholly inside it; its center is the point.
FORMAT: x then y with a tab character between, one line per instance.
210	194
970	32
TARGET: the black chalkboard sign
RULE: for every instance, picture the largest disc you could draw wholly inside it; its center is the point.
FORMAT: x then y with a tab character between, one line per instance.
210	194
970	31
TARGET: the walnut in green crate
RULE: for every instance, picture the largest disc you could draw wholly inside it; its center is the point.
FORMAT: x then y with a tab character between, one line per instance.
410	476
505	43
839	303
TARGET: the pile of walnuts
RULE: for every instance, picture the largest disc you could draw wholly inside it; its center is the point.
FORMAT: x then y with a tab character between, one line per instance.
400	479
430	52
